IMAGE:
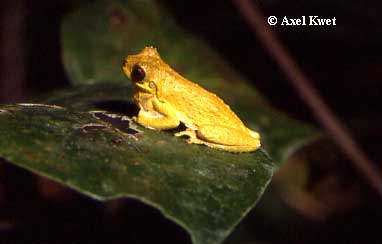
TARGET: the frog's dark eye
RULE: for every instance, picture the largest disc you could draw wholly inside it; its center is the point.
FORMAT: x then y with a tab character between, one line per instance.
137	74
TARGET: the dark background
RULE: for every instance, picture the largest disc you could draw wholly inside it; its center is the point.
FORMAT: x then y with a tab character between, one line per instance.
344	61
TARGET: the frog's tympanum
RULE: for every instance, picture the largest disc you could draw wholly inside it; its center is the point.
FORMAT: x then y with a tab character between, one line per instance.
165	99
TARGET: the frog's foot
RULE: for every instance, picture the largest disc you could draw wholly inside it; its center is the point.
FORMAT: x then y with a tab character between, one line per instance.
188	132
192	136
195	140
238	149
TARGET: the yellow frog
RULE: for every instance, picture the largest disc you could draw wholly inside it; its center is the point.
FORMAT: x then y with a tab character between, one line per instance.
165	99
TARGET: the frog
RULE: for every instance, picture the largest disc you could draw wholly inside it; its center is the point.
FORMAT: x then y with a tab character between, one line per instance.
166	99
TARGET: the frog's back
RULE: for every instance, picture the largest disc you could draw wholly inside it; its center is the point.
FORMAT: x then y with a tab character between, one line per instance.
197	106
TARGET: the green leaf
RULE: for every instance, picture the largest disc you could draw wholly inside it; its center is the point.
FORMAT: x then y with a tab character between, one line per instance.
116	97
205	191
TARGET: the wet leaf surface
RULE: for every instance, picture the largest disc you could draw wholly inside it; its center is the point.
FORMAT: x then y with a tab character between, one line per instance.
204	190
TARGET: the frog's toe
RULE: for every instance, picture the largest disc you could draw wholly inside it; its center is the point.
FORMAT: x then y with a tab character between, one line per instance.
188	132
195	140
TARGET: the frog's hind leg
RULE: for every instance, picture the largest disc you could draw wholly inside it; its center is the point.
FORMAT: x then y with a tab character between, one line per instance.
223	138
226	138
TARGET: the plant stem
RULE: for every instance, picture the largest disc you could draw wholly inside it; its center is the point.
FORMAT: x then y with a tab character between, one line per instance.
308	93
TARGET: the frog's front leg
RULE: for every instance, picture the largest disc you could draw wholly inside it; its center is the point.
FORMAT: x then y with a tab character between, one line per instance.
226	138
164	116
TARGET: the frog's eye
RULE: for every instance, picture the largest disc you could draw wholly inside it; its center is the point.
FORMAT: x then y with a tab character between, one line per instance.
137	74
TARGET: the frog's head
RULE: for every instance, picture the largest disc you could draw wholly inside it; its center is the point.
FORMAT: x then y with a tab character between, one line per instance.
144	69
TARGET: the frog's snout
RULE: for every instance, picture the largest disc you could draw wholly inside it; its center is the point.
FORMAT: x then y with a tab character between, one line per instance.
125	67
